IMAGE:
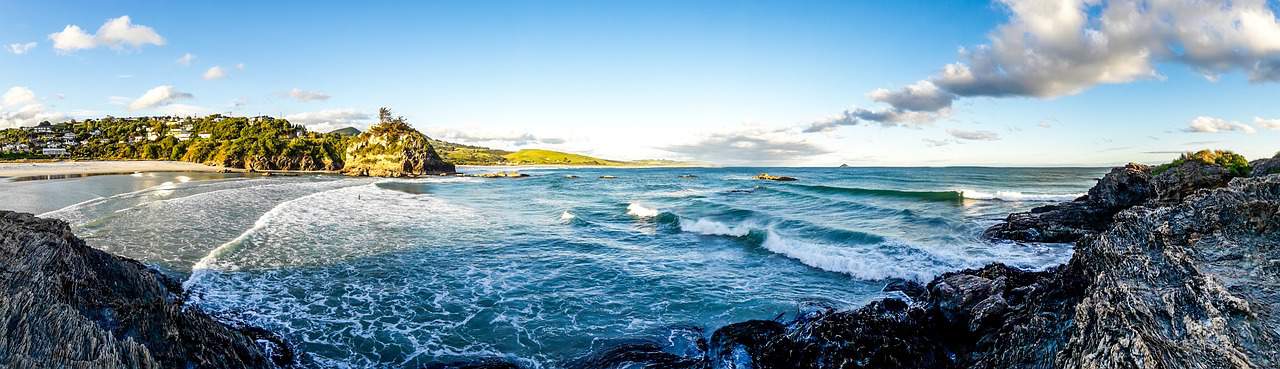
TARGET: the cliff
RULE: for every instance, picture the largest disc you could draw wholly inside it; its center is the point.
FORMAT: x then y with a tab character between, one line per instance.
67	305
393	149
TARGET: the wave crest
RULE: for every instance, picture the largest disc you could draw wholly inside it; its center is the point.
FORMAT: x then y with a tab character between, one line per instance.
637	210
1017	196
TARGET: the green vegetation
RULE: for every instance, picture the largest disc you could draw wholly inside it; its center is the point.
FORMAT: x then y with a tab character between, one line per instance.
1236	164
469	155
548	157
348	131
392	148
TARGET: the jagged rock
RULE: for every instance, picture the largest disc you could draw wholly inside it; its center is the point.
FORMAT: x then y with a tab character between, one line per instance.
1119	189
67	305
393	149
1185	179
1262	167
768	177
1186	285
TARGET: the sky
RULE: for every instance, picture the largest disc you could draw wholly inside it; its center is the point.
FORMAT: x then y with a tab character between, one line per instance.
894	83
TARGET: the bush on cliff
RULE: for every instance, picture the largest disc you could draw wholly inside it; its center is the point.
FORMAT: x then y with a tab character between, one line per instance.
1234	163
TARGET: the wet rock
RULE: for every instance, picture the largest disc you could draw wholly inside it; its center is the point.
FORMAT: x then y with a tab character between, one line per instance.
67	305
768	177
1119	189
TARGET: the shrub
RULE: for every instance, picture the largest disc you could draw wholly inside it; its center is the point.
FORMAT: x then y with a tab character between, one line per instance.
1235	164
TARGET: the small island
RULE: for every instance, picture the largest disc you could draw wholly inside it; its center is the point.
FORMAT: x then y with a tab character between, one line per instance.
768	177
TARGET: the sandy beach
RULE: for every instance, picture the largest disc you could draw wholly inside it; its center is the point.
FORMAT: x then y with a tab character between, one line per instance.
57	168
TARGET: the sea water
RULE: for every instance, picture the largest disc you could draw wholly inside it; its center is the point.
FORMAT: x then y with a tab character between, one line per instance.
369	273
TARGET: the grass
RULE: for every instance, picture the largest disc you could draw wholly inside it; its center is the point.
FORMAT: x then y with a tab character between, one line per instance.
548	157
1236	164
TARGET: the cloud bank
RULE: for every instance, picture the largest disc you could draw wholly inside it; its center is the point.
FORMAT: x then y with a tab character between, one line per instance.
329	120
1203	124
158	96
748	147
19	107
304	95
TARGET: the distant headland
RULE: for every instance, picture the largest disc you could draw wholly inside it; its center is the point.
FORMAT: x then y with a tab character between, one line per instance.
265	143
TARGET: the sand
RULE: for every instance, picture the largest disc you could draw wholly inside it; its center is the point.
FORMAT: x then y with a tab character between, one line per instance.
56	168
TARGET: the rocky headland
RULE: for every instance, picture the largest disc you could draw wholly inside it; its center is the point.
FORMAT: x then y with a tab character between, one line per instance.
68	305
393	148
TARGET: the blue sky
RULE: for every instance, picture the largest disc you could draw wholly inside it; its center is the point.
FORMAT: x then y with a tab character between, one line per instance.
725	82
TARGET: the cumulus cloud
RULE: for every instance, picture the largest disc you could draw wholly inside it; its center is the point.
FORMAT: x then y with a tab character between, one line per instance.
304	95
329	120
19	107
885	117
186	59
748	147
1203	124
215	72
480	137
20	48
1054	48
117	33
974	135
158	96
1266	123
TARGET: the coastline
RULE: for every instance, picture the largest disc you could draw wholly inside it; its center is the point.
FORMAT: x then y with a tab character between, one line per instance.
75	168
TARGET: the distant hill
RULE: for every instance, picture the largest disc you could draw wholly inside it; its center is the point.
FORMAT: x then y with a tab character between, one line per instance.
548	157
460	154
349	131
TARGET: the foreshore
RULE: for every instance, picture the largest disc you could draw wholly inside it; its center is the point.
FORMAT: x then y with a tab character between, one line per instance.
87	167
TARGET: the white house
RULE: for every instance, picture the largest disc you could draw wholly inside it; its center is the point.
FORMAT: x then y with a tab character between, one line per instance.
53	151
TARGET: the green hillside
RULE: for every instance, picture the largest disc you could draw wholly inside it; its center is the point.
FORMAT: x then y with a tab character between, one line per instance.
548	157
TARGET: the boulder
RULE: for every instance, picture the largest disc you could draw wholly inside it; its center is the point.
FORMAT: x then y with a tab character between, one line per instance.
67	305
1182	180
1262	167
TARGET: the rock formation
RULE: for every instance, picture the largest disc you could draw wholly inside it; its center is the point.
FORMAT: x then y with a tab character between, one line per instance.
1065	222
393	148
1154	284
67	305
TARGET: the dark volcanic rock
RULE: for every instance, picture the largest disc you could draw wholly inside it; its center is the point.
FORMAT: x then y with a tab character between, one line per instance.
1121	188
1183	180
1190	285
67	305
1262	167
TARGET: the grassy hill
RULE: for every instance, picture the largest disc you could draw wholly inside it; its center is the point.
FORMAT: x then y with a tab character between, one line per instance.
548	157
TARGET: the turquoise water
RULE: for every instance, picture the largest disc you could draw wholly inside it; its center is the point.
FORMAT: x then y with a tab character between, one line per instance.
368	273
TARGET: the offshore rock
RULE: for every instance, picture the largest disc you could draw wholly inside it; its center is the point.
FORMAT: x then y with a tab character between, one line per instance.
67	305
1186	285
1119	189
393	149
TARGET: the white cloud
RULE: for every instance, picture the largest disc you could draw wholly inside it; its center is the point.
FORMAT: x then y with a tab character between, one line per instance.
974	135
21	48
158	96
490	138
1054	48
19	107
186	59
940	142
239	66
748	147
329	120
1267	123
920	96
213	73
1203	124
891	117
303	95
18	95
117	33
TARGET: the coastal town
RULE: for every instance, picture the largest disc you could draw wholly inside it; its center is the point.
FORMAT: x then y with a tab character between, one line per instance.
86	138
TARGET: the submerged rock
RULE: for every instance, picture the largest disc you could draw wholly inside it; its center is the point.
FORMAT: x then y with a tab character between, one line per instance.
1185	285
393	148
67	305
1119	189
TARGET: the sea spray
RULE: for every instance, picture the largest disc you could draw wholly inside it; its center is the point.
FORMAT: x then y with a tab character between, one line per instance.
637	210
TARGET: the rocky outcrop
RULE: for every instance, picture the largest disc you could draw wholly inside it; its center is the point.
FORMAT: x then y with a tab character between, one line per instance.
393	149
1184	179
1262	167
1119	189
67	305
1191	285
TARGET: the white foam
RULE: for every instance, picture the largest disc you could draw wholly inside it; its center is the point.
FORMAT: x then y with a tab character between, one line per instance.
714	228
1017	196
860	262
637	210
566	216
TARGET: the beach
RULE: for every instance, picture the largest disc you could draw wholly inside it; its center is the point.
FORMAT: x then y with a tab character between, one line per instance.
64	168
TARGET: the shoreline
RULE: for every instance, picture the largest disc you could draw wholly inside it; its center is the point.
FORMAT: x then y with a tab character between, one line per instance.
17	169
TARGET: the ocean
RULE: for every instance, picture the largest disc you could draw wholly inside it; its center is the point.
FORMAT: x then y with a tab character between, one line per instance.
372	273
